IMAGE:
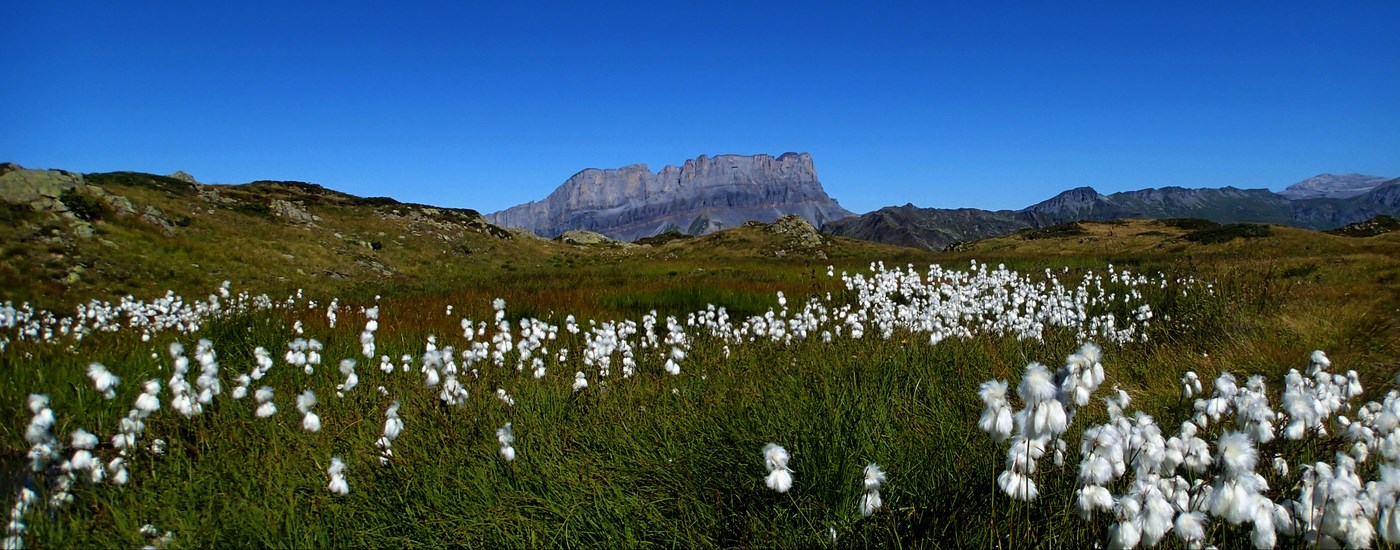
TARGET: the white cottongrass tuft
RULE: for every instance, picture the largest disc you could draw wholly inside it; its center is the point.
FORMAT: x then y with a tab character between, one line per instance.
1237	454
83	440
1017	486
104	381
506	437
775	458
393	426
148	402
996	415
309	420
1190	384
266	407
1093	498
873	478
347	368
1037	384
1191	527
338	485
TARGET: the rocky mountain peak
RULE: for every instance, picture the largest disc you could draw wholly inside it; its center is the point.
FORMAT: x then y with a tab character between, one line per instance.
702	195
1079	198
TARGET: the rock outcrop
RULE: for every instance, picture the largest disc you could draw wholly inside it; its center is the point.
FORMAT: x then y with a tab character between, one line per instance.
701	196
293	212
185	177
40	189
582	237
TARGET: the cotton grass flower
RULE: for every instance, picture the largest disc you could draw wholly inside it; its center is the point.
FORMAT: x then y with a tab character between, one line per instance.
506	437
996	414
872	480
149	401
117	471
241	390
1093	498
104	381
1190	526
1017	485
1190	384
775	458
367	336
347	368
393	426
266	407
81	439
1237	454
309	420
338	484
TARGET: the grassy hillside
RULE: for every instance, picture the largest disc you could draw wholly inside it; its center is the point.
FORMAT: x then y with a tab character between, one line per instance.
330	242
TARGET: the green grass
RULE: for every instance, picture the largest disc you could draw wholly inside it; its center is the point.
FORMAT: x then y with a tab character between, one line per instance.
655	460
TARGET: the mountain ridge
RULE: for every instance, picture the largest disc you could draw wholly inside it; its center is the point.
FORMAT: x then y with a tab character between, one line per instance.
937	228
700	196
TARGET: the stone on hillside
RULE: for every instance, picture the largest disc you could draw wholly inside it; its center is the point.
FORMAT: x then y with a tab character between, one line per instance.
39	189
581	237
185	177
799	237
121	206
293	212
153	217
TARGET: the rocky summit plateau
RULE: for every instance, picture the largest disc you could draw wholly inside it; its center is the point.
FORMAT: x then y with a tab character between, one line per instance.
701	196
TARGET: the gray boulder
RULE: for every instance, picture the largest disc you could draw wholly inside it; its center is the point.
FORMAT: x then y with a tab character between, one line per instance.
38	188
292	212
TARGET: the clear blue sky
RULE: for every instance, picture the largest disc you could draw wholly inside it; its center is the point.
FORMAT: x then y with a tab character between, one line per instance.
488	104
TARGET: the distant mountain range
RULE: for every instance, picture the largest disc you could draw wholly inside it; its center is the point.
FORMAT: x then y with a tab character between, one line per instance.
701	196
1333	186
1321	202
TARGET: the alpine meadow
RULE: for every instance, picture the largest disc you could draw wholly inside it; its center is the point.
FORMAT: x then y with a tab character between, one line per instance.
1117	383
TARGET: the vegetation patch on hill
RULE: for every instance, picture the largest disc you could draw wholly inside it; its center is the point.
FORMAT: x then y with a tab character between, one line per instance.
1378	225
1228	232
1069	229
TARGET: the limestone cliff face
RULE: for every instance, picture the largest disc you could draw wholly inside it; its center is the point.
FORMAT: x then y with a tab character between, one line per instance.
704	194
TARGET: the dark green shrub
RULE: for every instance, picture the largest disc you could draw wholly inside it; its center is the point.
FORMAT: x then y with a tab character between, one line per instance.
137	179
1296	271
374	201
1228	232
663	238
1189	224
1378	225
82	205
1071	229
253	209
